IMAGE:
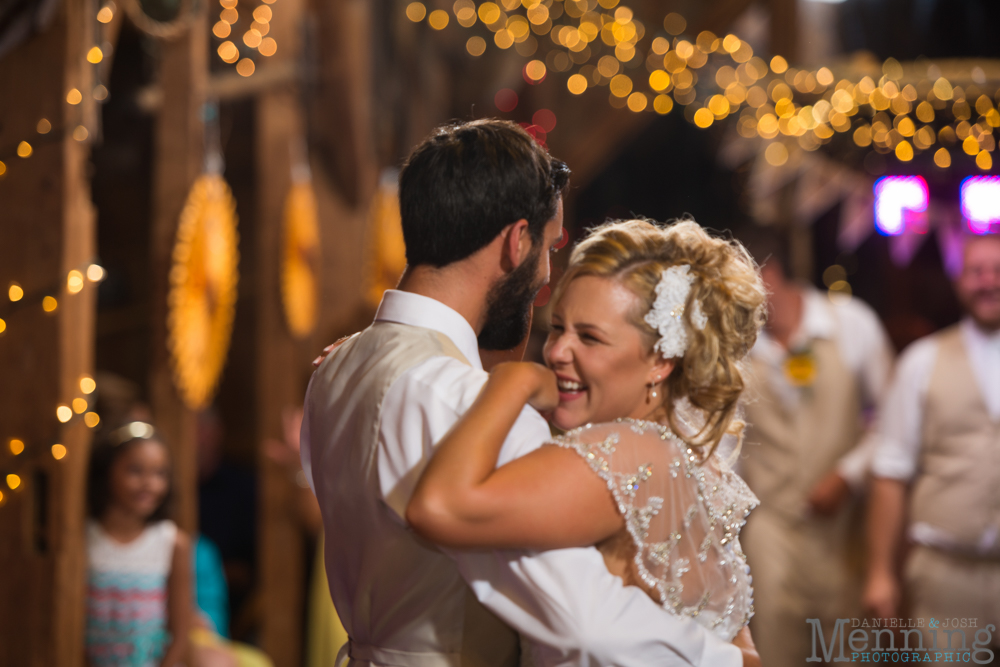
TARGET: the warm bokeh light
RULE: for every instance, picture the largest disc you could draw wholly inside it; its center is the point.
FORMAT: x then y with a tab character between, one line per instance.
64	413
74	96
221	29
942	158
58	452
3	325
703	118
262	14
3	168
74	281
13	481
984	160
16	446
245	67
637	102
49	304
252	39
228	52
268	47
577	84
100	92
476	46
662	104
79	405
95	273
43	126
534	71
659	80
229	15
24	149
91	419
80	133
438	19
776	154
95	55
779	65
620	85
416	11
970	145
674	23
105	15
87	384
904	151
15	292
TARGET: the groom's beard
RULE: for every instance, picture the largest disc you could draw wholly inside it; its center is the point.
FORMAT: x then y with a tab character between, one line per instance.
509	303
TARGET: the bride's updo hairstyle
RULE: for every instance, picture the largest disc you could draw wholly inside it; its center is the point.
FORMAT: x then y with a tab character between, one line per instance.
728	290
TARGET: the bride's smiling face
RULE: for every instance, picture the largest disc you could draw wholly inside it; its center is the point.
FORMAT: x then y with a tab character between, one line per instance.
603	362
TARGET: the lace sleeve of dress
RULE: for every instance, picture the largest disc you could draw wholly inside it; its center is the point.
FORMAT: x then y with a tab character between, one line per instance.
684	515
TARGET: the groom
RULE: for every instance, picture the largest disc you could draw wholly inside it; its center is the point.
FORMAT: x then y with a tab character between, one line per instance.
481	208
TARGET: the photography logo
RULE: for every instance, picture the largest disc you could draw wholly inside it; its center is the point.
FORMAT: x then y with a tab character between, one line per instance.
933	641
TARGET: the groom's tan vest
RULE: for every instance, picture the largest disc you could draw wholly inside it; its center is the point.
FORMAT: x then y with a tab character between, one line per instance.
401	600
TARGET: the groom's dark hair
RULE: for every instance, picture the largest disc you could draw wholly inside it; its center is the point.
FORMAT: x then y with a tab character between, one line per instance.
467	181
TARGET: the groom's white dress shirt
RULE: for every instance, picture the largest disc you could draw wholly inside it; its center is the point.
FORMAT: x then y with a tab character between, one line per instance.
565	602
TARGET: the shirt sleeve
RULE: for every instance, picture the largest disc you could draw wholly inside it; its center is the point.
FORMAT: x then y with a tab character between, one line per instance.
899	425
863	331
566	601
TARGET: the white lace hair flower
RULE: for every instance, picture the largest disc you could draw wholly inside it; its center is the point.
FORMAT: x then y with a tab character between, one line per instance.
666	315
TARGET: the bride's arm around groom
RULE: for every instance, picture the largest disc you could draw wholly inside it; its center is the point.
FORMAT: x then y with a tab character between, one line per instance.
481	207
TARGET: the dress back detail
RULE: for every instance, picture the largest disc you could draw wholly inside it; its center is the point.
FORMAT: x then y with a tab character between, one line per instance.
684	513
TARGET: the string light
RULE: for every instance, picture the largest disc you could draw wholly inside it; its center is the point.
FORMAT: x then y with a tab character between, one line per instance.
16	446
254	38
58	452
770	99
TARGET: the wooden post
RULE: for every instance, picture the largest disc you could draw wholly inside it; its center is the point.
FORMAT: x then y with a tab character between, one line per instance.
179	160
282	361
47	230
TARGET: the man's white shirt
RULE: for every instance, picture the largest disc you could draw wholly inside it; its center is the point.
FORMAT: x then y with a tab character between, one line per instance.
902	418
565	600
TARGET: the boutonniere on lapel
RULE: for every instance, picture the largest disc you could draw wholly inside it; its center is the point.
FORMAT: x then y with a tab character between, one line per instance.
800	367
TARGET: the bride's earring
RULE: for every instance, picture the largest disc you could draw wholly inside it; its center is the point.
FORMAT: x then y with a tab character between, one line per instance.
651	392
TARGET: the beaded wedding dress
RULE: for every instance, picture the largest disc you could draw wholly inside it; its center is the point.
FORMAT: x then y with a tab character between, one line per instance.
683	513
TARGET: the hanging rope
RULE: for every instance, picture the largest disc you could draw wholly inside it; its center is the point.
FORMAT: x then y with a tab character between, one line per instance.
161	29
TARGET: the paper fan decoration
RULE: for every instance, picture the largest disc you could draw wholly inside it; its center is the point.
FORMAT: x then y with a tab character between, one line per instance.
300	260
202	298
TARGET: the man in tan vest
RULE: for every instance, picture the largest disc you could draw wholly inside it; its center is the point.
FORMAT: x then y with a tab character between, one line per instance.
481	208
937	472
817	367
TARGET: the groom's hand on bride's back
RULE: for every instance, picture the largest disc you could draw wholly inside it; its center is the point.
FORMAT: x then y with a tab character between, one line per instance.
537	383
327	350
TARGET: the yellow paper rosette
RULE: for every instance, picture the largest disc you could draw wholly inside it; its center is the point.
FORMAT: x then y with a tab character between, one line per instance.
300	260
202	297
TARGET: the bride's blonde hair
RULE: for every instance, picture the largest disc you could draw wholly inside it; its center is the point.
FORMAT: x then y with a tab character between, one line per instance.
727	287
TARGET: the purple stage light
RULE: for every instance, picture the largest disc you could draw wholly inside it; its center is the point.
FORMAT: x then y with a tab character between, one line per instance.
897	199
981	203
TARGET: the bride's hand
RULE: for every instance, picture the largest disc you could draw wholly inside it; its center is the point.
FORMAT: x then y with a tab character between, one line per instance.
537	381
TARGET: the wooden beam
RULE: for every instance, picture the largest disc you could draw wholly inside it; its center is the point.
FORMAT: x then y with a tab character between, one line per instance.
282	362
179	159
47	230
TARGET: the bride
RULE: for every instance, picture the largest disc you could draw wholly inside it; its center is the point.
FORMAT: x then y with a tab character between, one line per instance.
650	326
